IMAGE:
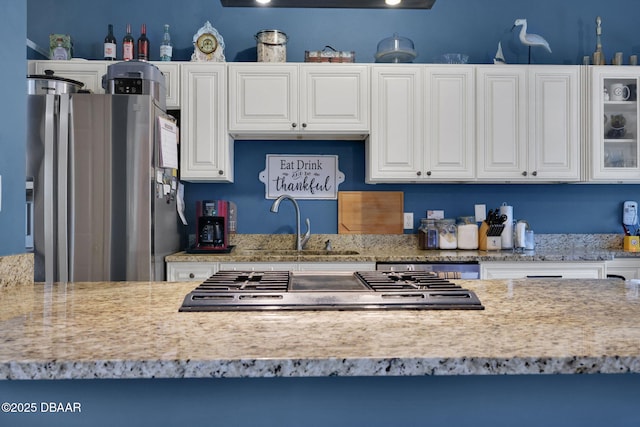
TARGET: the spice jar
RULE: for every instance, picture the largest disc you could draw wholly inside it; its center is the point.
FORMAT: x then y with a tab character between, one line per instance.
447	233
427	234
467	232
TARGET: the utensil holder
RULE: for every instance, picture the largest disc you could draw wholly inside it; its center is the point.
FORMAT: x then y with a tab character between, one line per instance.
490	238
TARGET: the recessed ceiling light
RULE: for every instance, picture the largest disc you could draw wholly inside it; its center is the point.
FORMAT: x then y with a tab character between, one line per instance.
392	2
263	1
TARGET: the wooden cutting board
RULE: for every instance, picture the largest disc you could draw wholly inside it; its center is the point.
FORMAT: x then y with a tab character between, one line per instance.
370	212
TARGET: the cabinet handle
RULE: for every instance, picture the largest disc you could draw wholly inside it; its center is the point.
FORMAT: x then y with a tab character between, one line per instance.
418	173
294	125
524	173
534	173
428	173
191	275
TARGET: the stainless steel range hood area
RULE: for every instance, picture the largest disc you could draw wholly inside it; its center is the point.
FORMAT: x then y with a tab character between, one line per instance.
345	4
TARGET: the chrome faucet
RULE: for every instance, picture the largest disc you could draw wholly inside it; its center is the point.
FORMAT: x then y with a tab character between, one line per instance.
300	240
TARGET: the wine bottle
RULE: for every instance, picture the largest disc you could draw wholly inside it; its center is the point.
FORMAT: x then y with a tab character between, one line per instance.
127	45
110	45
166	49
143	44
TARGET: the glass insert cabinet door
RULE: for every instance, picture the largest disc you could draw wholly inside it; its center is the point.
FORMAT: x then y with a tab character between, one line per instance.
615	123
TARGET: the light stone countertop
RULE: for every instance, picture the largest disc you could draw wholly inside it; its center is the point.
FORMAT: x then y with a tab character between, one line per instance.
403	248
134	330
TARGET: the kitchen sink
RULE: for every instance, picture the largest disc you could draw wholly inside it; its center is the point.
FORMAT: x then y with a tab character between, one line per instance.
304	252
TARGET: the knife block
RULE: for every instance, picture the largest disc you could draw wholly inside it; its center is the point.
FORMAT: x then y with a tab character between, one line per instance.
488	243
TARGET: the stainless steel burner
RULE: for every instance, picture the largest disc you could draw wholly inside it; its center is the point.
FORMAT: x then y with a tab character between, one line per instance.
363	290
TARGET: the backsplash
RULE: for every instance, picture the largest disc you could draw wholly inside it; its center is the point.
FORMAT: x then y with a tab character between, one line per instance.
401	242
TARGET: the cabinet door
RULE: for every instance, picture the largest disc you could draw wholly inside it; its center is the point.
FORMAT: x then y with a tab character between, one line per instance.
449	123
629	268
543	269
336	266
190	271
394	149
615	124
554	127
334	97
501	123
171	72
258	266
205	147
88	72
263	98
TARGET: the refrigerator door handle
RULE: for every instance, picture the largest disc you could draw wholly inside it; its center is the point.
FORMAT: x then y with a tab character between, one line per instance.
63	185
49	212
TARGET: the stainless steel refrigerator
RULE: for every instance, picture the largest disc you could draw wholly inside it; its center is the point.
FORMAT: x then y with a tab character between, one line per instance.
103	208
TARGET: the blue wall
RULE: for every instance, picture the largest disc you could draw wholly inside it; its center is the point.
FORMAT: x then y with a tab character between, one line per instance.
13	29
466	26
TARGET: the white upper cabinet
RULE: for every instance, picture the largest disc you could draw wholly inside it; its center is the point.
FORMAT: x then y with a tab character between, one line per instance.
171	72
449	123
88	72
205	148
554	123
394	150
422	124
298	100
615	124
501	122
528	123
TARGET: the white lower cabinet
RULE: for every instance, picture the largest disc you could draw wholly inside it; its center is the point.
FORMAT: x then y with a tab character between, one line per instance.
190	271
298	266
258	266
200	271
629	268
336	266
543	269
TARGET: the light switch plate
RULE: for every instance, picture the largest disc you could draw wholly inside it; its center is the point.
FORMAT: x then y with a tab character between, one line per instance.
408	221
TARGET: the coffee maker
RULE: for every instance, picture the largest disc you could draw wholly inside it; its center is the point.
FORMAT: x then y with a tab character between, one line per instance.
213	220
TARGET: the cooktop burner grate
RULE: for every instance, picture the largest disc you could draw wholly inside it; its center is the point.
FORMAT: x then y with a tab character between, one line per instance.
272	290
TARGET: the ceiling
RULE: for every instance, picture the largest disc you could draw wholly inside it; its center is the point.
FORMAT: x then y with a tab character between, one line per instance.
351	4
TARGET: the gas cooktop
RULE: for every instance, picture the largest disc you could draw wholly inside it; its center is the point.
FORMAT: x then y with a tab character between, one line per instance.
361	290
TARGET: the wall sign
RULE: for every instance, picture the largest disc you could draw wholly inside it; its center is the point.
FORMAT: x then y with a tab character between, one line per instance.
301	176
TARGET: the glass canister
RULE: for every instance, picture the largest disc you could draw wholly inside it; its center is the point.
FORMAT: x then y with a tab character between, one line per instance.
427	234
447	233
467	232
271	46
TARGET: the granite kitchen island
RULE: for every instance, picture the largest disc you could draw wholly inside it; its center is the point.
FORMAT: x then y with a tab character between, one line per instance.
568	349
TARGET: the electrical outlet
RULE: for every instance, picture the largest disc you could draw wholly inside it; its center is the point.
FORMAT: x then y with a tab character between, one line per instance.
408	221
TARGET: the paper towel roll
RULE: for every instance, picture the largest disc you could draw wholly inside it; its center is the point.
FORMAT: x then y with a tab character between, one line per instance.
507	233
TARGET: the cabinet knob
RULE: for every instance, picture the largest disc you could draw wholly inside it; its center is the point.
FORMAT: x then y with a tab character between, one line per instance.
220	172
419	173
524	173
304	125
294	125
191	275
428	173
534	173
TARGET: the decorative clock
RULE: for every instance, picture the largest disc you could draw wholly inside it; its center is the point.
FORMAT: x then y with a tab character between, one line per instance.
208	45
